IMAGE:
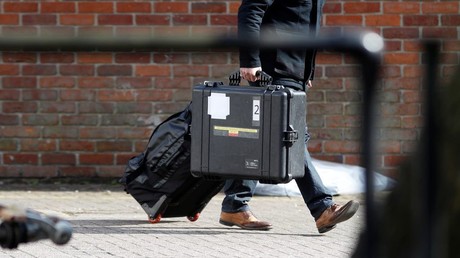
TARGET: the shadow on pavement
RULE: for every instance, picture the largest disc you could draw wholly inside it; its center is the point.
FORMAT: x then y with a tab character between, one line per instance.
143	227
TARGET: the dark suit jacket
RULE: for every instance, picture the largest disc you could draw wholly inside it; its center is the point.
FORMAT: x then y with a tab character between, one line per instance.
281	18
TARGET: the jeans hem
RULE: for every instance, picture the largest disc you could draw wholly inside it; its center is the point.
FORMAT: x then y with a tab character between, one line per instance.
242	208
321	208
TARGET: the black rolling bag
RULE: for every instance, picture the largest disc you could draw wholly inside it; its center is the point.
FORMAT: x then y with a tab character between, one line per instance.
159	179
248	132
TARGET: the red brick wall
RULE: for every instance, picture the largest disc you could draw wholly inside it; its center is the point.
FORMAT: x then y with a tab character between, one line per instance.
86	113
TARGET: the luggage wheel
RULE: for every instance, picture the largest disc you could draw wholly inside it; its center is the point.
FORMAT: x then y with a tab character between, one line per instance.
194	218
156	219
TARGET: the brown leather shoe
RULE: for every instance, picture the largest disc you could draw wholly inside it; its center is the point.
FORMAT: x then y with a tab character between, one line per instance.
244	220
336	214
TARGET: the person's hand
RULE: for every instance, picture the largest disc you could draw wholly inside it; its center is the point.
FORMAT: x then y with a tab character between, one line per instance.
250	73
309	84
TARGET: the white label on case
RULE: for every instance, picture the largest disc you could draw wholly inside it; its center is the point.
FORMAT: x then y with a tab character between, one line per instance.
256	110
218	106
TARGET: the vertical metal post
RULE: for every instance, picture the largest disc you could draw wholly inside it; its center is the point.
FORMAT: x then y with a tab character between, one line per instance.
370	71
428	189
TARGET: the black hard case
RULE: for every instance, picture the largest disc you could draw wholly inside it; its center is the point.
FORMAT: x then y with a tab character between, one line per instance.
248	132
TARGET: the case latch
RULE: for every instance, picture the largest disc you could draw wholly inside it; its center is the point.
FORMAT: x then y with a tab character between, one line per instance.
290	135
274	87
212	83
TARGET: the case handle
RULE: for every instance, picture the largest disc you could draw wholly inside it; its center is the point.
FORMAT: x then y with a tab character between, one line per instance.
265	79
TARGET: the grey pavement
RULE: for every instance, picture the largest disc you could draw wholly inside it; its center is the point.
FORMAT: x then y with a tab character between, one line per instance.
107	222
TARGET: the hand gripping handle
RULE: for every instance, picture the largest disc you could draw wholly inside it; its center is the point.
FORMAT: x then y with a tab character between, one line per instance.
265	79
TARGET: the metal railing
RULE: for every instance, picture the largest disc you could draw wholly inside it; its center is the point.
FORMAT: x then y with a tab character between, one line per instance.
366	47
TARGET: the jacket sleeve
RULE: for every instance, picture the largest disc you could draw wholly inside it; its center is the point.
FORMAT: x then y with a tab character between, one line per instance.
250	15
315	20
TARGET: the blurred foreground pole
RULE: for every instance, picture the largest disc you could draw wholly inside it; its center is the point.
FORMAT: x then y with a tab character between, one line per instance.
430	156
19	226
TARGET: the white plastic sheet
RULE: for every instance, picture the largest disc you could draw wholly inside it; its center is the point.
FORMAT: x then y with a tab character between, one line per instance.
338	178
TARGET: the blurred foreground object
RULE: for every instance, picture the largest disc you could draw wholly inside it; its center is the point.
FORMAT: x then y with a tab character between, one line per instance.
24	225
420	218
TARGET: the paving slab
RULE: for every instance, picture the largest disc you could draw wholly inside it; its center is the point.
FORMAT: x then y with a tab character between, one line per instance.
110	223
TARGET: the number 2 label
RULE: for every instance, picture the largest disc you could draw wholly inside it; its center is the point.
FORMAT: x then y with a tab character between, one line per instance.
256	110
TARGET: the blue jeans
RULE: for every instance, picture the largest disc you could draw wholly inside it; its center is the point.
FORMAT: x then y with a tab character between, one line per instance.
315	195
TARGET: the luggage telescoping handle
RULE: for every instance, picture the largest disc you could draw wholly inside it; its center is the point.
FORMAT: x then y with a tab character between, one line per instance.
265	79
